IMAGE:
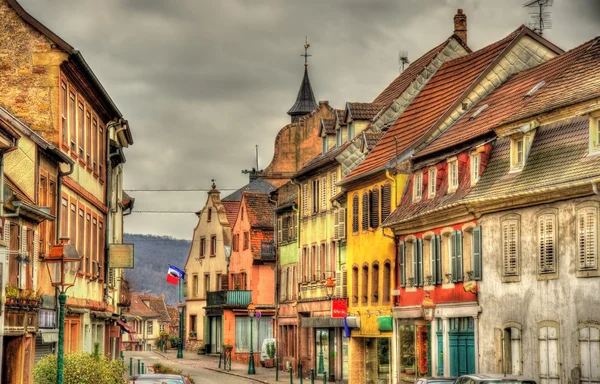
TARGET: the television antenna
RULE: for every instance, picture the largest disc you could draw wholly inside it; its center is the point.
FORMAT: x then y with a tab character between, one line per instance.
540	17
403	60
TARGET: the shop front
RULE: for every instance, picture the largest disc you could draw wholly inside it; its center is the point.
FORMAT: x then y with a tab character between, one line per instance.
327	348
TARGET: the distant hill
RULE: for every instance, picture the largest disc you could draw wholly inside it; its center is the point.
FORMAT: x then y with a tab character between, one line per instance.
153	254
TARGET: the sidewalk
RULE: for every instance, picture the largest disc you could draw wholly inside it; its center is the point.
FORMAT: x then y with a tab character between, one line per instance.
192	359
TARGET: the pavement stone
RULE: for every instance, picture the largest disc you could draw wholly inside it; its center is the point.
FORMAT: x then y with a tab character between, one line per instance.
211	362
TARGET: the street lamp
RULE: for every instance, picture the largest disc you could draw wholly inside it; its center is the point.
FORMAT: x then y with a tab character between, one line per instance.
428	307
329	287
251	313
63	263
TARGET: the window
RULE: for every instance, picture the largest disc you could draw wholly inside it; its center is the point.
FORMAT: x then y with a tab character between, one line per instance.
195	286
73	225
219	282
101	248
95	145
365	211
417	186
206	284
417	259
510	248
387	278
512	362
456	256
351	130
64	224
193	323
94	242
150	326
80	129
547	244
202	247
242	213
323	262
236	242
63	112
435	260
72	109
355	214
474	169
587	238
333	182
304	264
365	284
305	199
386	201
355	285
374	208
476	253
452	175
315	196
213	245
595	135
338	137
80	236
88	136
548	349
88	239
324	193
517	150
246	240
375	284
589	347
162	327
101	151
431	180
208	214
313	263
402	263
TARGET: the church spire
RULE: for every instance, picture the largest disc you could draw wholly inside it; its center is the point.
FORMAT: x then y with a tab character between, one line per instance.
305	101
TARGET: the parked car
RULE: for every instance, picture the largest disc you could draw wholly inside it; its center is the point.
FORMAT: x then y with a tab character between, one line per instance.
263	350
493	378
435	380
159	378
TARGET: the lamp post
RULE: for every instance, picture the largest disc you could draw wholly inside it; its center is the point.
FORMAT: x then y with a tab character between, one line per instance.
251	313
180	344
63	263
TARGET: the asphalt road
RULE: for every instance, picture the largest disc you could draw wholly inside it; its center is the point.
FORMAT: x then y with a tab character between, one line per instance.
195	368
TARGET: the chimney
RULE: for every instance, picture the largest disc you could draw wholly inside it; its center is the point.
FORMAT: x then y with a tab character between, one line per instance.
460	25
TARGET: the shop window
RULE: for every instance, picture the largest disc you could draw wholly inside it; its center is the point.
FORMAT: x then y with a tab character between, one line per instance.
406	349
548	352
365	284
355	214
512	362
547	245
510	248
589	347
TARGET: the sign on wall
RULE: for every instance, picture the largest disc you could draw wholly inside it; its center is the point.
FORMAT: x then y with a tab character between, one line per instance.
120	256
339	308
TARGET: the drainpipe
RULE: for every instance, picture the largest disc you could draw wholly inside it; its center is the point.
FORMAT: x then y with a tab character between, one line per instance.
388	176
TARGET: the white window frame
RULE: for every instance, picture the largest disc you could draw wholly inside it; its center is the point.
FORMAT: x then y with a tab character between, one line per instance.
510	240
418	186
475	165
431	182
452	175
517	158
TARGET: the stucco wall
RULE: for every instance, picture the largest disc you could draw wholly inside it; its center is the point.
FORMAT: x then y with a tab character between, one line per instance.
568	300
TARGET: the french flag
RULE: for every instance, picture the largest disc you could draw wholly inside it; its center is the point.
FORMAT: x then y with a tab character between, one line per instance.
174	274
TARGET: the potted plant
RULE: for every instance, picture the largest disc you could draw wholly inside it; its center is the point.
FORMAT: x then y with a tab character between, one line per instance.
12	294
192	334
270	362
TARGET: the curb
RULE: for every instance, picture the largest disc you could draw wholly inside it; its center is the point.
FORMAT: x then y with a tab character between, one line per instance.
238	375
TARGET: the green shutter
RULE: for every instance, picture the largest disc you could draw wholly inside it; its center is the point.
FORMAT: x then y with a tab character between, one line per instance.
453	255
402	251
459	257
437	246
415	263
477	252
419	270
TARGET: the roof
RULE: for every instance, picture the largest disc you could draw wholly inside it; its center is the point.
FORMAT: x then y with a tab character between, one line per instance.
558	156
305	101
363	111
157	304
287	195
259	185
259	210
372	138
138	308
403	80
173	313
322	159
328	126
340	115
506	100
12	189
439	94
231	209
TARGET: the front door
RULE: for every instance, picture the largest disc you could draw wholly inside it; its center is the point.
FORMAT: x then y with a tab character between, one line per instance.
462	346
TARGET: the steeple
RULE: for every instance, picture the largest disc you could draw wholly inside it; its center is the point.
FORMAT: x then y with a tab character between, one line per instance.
305	102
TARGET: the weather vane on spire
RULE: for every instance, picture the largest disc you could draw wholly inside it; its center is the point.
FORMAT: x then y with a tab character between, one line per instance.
306	55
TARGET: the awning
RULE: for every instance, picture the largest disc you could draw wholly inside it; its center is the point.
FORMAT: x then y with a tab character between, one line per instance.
124	326
101	314
49	335
322	322
76	310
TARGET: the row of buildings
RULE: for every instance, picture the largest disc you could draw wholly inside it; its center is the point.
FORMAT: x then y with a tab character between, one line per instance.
450	226
62	141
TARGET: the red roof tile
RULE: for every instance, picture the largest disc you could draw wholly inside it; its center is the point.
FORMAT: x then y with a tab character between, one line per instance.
138	308
157	304
372	138
231	209
328	126
441	92
341	116
364	111
259	209
505	100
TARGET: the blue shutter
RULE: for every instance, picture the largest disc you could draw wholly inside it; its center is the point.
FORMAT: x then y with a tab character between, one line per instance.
419	270
477	268
437	246
402	251
459	257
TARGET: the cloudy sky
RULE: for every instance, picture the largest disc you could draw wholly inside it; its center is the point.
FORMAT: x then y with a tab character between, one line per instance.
204	81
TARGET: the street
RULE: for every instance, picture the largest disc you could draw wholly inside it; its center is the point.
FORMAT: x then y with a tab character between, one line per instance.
203	369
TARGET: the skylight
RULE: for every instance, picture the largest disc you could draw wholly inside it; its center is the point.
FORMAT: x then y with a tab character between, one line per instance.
478	111
534	89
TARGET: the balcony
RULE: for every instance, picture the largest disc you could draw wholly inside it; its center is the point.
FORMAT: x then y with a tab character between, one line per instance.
231	299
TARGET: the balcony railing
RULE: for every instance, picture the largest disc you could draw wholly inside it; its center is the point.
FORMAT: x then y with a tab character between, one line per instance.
229	298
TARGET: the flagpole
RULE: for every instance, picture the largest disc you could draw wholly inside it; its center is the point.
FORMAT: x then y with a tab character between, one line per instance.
181	312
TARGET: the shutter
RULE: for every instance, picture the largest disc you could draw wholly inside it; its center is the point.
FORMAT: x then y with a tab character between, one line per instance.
41	349
587	231
355	214
342	223
415	263
305	199
111	277
338	284
419	274
336	225
324	192
294	234
546	244
386	202
36	248
432	263
459	256
476	246
283	285
402	252
509	248
333	182
453	270
375	208
438	258
365	211
344	282
279	230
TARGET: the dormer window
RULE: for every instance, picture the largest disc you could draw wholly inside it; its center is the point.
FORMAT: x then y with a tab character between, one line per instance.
338	137
595	135
517	153
324	144
474	168
431	180
418	186
452	175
